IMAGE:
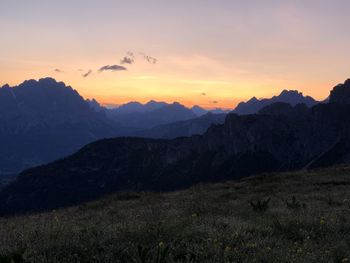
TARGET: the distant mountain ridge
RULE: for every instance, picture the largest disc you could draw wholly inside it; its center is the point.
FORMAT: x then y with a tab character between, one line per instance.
152	114
138	116
291	97
280	137
134	106
43	120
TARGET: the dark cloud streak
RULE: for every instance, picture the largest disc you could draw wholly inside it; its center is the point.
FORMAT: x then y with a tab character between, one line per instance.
87	74
127	60
112	68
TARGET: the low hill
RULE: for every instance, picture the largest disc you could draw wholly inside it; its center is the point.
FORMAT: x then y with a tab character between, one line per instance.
302	217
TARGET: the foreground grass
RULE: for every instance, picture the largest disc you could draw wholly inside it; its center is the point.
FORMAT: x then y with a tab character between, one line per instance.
291	217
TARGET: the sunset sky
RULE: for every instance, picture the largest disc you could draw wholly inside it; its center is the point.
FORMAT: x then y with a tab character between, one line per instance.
211	53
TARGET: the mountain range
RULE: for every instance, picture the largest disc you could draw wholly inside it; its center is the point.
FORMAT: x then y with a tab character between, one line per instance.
139	117
280	137
292	97
44	120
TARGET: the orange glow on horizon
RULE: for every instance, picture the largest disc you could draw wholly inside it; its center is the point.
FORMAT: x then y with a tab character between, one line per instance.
249	48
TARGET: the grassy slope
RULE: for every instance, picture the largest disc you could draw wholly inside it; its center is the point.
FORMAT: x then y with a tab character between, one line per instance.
209	223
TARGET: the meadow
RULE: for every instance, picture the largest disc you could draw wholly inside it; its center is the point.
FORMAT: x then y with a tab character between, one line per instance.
282	217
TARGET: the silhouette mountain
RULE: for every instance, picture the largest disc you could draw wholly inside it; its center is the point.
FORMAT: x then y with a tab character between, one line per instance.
199	111
43	120
138	116
281	137
134	106
291	97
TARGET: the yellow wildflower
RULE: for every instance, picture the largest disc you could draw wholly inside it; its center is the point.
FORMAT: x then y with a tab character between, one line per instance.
161	244
322	221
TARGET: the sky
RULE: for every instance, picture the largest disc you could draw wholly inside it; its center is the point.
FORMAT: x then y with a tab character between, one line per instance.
213	53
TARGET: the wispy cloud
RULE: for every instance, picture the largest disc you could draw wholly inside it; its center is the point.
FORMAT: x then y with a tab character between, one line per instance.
215	102
58	70
112	68
87	74
149	59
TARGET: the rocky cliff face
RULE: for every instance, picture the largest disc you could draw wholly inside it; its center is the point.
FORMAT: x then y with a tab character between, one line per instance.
341	94
281	137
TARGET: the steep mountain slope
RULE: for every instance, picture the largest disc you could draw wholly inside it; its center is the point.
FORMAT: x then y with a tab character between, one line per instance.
281	138
291	97
187	128
43	120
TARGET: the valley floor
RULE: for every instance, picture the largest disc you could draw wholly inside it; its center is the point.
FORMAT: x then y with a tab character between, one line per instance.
290	217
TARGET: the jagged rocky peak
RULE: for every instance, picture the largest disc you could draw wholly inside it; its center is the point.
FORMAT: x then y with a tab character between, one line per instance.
95	105
44	83
291	96
340	93
6	86
291	92
254	99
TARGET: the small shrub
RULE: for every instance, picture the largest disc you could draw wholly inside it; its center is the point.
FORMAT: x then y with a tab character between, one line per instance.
144	254
295	204
260	206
